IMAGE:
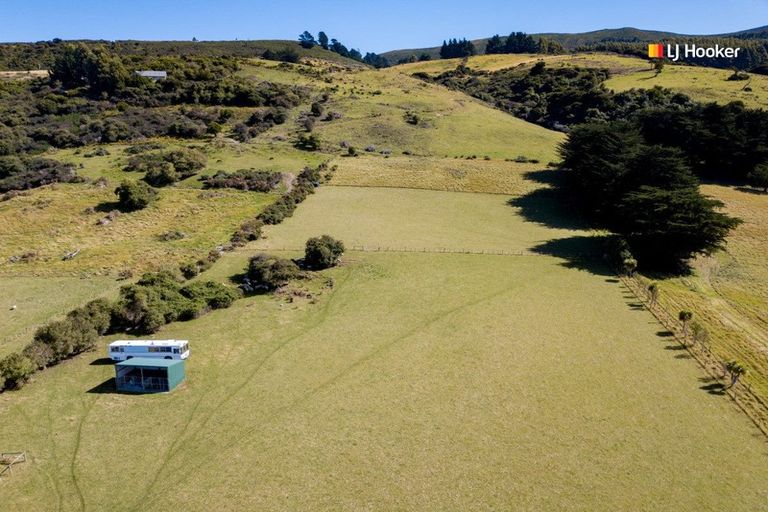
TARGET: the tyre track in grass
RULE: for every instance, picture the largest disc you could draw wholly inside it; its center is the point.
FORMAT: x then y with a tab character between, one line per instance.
330	382
146	496
173	448
366	358
52	441
76	451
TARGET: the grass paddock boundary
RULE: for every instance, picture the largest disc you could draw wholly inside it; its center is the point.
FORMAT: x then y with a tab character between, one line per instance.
439	250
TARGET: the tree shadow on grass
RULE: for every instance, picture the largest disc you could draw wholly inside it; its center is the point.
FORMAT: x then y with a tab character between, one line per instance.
579	252
750	190
109	206
546	206
551	177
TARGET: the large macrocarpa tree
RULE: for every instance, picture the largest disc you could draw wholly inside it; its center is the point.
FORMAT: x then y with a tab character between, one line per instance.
646	193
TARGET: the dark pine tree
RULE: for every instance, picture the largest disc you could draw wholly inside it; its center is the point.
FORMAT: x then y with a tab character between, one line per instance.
322	39
494	45
307	40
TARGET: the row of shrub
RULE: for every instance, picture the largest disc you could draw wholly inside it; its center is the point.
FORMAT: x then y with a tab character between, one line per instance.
304	184
155	300
244	179
250	230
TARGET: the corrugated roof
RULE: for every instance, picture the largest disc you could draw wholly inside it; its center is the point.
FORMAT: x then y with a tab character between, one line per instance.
155	362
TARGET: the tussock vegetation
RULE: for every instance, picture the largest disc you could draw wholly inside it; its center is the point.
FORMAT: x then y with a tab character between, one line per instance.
54	221
449	174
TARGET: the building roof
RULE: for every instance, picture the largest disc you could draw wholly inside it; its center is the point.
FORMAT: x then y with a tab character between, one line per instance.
150	362
150	73
151	343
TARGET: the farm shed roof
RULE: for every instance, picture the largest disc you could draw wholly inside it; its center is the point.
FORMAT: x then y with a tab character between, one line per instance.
150	362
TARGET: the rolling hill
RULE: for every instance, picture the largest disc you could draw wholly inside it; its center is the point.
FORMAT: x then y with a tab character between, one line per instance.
471	351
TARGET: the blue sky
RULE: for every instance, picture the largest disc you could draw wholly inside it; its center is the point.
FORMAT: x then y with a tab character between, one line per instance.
380	26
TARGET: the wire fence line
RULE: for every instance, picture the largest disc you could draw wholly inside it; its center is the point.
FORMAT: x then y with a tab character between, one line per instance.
429	250
742	394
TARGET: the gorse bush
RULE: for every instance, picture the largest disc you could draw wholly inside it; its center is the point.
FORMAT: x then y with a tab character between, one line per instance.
160	298
245	179
15	370
248	231
134	195
25	173
167	167
322	252
210	294
271	272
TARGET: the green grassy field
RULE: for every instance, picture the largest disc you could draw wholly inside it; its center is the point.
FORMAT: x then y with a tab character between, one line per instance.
418	381
38	300
409	219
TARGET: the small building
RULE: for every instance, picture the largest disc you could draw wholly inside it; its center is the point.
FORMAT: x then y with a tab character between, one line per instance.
149	375
153	75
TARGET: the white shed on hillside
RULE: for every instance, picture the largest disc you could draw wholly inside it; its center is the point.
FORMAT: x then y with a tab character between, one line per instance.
153	75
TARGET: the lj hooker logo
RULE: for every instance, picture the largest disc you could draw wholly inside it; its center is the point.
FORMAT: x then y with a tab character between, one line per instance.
675	52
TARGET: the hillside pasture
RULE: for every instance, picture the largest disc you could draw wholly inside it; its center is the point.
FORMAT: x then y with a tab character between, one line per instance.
37	300
448	174
700	83
55	220
222	154
617	64
374	105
